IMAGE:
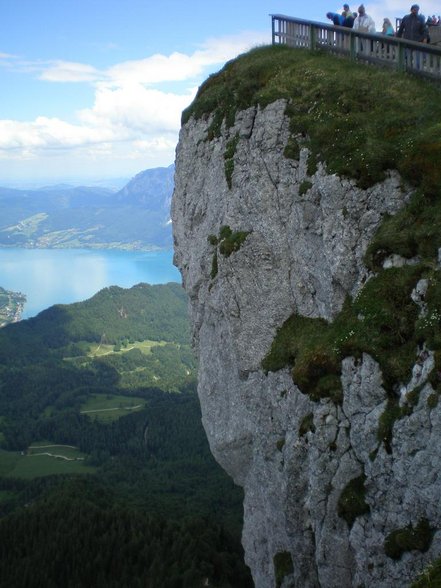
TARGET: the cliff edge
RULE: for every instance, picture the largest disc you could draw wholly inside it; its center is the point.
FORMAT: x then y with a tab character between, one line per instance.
302	209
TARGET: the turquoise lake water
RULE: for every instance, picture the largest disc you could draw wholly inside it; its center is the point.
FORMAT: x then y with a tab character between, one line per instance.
63	276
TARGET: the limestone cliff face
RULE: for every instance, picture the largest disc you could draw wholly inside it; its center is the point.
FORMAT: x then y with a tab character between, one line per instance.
303	252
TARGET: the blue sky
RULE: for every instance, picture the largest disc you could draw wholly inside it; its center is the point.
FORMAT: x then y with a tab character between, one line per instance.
94	89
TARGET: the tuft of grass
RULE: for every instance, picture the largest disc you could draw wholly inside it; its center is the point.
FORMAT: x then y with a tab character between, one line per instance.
280	443
304	187
415	231
304	344
230	241
292	149
431	577
360	121
351	503
214	266
390	415
226	243
408	539
307	424
229	159
283	566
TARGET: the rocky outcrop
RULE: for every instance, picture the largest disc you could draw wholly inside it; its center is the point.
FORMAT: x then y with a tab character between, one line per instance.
303	237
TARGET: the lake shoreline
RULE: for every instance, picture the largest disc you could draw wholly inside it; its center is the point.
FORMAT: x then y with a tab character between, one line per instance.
91	246
66	275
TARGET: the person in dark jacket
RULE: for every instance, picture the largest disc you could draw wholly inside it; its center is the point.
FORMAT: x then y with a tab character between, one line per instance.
336	18
341	20
413	26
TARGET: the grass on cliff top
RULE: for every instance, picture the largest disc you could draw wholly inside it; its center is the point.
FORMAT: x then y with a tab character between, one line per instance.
360	120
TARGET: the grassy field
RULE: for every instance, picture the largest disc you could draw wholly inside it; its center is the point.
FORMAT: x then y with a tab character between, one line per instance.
8	461
109	407
65	451
63	460
99	349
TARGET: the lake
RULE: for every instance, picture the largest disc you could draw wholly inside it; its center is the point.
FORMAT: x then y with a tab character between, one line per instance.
63	276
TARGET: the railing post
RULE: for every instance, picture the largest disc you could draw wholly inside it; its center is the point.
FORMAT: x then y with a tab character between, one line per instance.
352	50
401	57
312	37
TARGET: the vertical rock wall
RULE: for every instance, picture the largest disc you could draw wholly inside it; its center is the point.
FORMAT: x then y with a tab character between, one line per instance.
303	251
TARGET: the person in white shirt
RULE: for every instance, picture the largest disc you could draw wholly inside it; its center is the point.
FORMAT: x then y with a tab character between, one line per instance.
363	23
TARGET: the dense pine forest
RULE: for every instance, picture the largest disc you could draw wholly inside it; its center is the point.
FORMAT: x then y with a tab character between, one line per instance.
106	478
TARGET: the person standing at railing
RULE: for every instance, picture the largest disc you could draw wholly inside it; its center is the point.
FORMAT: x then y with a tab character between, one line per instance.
348	16
341	20
413	26
346	10
336	18
363	23
388	29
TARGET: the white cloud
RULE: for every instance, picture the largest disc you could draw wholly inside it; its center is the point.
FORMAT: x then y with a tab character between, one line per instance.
129	117
137	109
69	71
48	133
154	69
178	66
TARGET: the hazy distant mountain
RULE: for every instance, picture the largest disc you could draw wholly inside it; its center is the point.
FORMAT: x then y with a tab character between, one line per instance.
113	184
64	216
151	188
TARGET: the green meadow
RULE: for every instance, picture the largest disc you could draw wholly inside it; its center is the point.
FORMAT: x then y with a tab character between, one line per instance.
43	460
110	407
99	349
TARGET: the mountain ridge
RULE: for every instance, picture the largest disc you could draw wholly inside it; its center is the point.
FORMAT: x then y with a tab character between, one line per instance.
135	217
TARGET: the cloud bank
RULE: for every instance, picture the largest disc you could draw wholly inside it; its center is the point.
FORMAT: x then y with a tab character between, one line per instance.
136	108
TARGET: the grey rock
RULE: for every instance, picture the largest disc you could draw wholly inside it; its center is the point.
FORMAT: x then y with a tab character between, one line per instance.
304	254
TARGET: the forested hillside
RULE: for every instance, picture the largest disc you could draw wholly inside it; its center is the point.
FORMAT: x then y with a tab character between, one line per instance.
106	477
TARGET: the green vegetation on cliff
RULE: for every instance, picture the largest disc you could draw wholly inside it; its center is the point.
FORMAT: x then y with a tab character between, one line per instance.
360	120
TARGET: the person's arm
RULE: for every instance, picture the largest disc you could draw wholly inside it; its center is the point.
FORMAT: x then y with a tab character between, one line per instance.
401	28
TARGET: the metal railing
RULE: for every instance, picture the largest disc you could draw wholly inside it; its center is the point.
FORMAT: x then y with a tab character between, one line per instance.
420	58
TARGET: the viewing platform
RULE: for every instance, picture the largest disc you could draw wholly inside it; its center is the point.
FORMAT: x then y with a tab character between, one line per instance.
419	58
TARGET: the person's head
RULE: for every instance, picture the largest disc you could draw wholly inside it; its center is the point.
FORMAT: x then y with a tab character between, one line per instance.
361	9
329	15
346	7
414	8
